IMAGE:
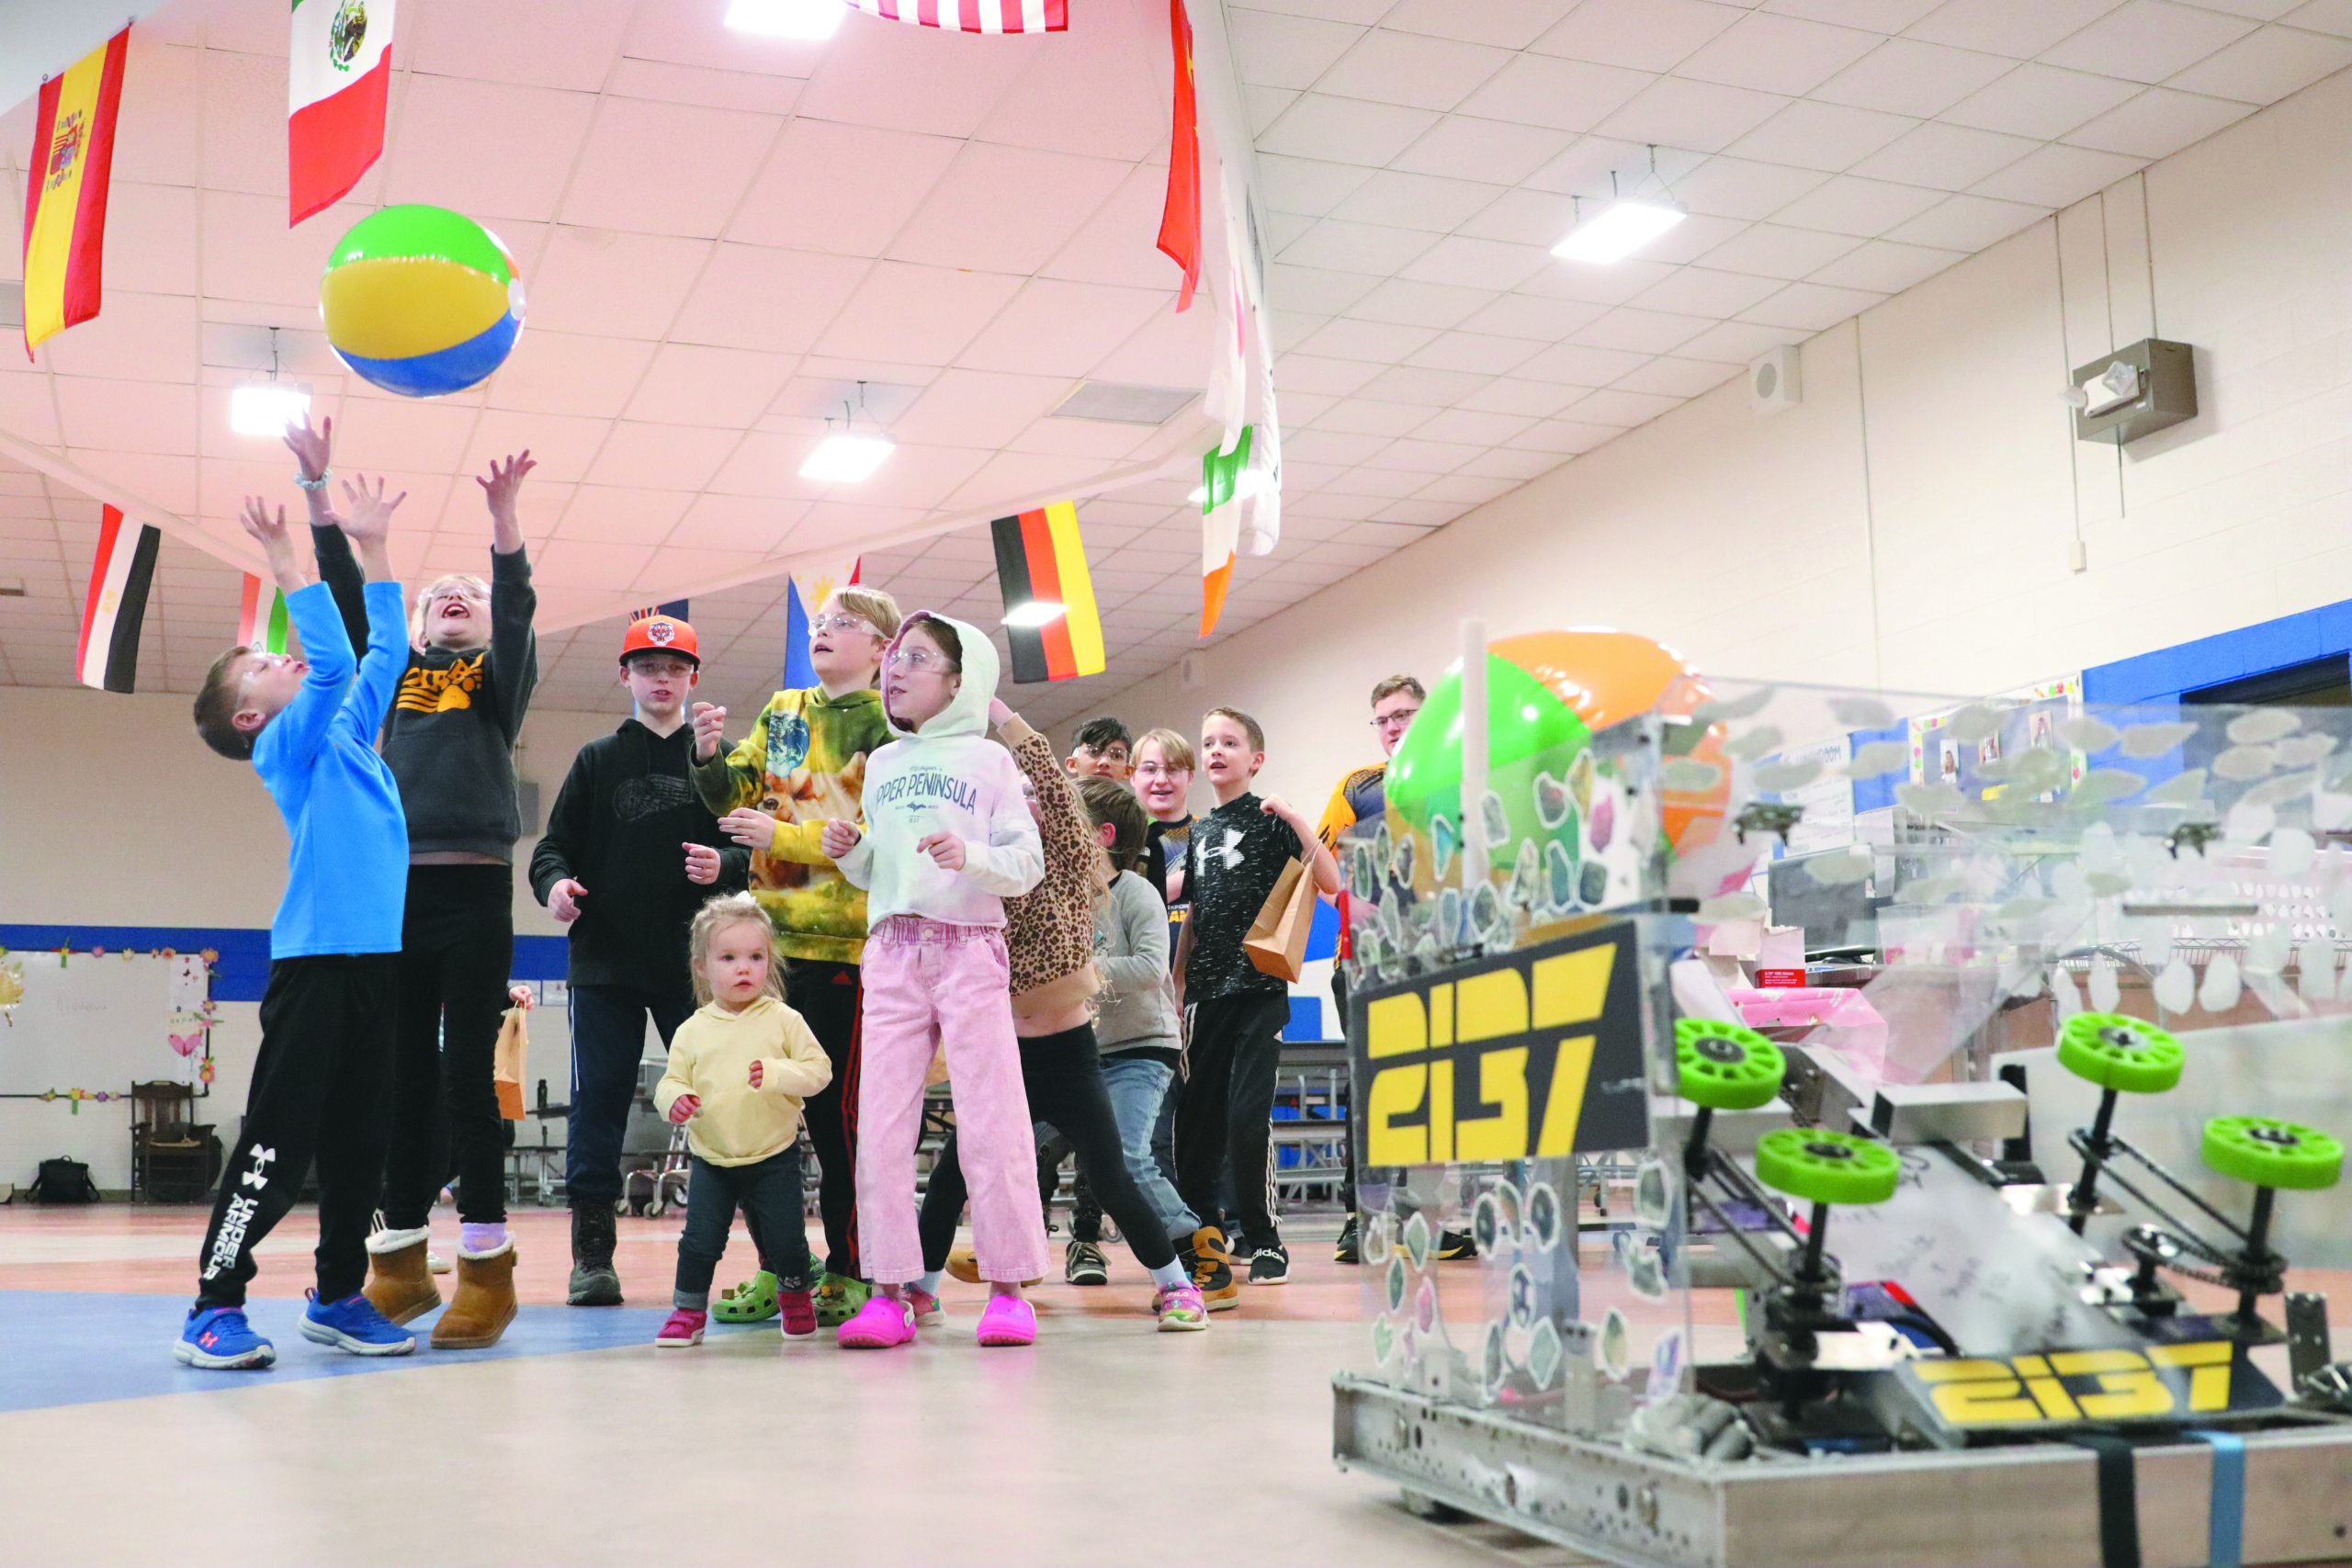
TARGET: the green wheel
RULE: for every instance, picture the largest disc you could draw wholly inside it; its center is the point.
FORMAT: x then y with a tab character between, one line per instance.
2119	1053
1724	1067
1823	1167
2266	1152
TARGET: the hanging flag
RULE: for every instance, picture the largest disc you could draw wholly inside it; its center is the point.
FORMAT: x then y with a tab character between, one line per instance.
1040	560
337	79
65	190
261	616
675	609
108	656
974	16
799	608
1179	215
1222	497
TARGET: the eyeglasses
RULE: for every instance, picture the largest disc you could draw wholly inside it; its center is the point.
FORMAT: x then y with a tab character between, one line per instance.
1157	771
1115	755
919	659
843	623
1394	720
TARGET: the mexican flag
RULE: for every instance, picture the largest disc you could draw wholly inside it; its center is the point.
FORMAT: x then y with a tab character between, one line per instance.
337	79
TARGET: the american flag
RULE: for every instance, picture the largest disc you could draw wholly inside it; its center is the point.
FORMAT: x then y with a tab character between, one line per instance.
974	16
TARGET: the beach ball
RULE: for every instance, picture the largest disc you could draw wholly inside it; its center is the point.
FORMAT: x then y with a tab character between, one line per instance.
420	301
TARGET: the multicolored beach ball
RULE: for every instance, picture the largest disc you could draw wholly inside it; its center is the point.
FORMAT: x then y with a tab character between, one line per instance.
420	301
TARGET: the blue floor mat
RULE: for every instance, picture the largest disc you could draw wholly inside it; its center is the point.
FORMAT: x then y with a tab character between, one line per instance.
75	1347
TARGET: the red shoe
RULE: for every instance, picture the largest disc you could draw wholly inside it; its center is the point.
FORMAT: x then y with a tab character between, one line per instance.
682	1329
798	1311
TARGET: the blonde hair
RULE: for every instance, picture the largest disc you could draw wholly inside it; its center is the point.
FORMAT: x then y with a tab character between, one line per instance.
716	915
873	604
473	586
1174	750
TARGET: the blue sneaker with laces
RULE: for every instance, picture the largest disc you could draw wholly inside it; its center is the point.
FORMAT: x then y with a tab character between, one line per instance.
353	1324
220	1339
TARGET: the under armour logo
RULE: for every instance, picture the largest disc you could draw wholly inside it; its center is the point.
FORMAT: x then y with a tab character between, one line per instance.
256	1177
1231	853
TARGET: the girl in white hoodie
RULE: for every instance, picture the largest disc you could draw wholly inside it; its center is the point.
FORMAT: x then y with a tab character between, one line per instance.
947	838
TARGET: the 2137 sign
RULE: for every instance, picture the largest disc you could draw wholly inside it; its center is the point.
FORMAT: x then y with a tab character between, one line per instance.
1533	1055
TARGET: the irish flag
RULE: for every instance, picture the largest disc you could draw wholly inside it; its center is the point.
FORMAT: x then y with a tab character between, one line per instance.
261	616
337	79
107	655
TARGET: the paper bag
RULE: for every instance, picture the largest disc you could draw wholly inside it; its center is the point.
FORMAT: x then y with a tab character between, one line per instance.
1277	941
511	1060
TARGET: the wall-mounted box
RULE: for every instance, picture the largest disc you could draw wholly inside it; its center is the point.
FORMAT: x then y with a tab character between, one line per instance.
2135	392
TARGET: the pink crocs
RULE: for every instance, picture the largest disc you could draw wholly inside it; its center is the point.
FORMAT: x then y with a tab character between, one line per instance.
1008	1320
879	1325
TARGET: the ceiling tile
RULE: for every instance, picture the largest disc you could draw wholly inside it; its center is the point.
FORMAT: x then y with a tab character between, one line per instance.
1812	135
963	223
1380	343
1416	304
1948	157
1265	105
1432	388
1873	15
1411	69
628	176
1330	375
2158	123
753	297
922	314
1777	55
664	456
1772	250
977	408
1346	130
1314	290
1699	117
402	433
1852	205
1356	416
1907	76
1610	285
447	121
2018	28
1532	316
1701	292
1967	223
1308	186
1815	307
916	79
842	188
1475	426
1082	95
1415	201
1574	365
691	384
1272	50
1640	35
1523	217
612	284
1507	24
1061	329
1644	331
1725	187
560	448
2040	101
1886	267
2264	67
1356	247
1477	264
146	337
666	81
2058	177
1566	95
1691	238
560	373
1670	377
2147	41
1736	342
2324	16
1465	148
604	513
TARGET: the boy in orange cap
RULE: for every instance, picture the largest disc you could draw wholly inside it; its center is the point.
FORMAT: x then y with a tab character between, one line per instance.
629	856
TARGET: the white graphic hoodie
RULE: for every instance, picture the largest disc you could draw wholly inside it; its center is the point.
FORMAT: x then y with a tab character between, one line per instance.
950	776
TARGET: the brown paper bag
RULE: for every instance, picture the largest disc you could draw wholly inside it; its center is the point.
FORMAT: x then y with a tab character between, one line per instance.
1277	939
512	1059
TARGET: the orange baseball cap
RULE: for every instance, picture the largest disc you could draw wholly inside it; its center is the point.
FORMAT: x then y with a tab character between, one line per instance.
660	634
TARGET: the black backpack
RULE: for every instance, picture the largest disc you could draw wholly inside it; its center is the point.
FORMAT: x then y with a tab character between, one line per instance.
63	1182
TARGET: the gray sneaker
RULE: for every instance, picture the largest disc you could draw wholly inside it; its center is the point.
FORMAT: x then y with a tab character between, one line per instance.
1083	1264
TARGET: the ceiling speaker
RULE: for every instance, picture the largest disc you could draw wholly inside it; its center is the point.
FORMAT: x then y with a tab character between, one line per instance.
1775	382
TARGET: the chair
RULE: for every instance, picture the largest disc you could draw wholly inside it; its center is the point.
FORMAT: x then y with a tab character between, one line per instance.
172	1160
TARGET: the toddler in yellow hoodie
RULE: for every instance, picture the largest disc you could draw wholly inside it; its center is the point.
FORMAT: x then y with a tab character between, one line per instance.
738	1069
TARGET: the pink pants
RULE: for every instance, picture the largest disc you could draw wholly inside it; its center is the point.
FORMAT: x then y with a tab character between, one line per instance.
928	984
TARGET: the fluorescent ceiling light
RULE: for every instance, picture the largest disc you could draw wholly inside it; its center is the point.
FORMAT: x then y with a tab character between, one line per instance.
1247	483
266	408
1619	230
845	460
1036	613
787	19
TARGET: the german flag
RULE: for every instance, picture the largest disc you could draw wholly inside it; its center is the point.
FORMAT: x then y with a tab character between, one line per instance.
1041	562
65	190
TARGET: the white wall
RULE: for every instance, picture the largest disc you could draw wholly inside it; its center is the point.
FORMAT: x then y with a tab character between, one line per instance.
113	813
1910	526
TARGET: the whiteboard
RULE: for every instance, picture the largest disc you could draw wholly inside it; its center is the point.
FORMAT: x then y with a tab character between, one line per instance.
103	1023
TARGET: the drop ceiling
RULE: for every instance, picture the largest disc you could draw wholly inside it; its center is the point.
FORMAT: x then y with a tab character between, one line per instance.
723	234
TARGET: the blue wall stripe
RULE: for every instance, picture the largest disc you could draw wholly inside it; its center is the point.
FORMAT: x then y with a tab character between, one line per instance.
242	969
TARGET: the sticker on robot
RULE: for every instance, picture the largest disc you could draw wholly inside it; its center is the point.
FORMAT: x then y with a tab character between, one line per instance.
1544	1354
1396	1284
1507	1213
1383	1339
1543	1226
1486	1226
1424	1308
1613	1351
1645	1267
1416	1240
1496	1365
1522	1296
1379	1235
1666	1367
1653	1192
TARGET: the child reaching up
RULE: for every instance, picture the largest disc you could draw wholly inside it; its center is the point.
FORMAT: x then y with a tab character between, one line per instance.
738	1071
947	838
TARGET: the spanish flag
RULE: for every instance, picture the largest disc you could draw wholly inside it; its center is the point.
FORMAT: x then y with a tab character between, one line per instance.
108	654
65	191
1041	564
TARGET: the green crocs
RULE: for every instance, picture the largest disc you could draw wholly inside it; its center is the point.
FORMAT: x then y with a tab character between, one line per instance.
1724	1067
838	1298
1823	1167
2119	1053
2266	1152
753	1301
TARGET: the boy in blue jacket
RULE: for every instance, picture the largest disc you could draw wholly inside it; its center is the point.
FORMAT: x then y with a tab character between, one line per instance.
320	1086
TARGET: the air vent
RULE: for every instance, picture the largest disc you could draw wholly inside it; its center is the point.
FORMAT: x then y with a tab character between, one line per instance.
11	590
1113	403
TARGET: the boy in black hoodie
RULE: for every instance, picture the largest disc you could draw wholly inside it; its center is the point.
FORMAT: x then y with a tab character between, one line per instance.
611	867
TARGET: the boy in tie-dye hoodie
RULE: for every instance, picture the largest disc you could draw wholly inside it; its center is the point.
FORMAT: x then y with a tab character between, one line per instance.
804	762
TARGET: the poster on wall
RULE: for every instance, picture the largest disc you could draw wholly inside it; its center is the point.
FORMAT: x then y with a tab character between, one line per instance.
1974	748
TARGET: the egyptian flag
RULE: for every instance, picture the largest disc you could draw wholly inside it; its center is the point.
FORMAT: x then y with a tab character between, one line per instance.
107	657
339	75
1040	561
1180	214
261	616
65	191
799	609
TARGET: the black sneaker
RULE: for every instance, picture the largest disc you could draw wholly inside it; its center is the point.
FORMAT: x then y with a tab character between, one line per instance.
1270	1266
1203	1256
1082	1264
1346	1249
1454	1244
593	1280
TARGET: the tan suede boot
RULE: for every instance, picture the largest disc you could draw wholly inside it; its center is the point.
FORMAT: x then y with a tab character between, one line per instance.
484	1303
399	1285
